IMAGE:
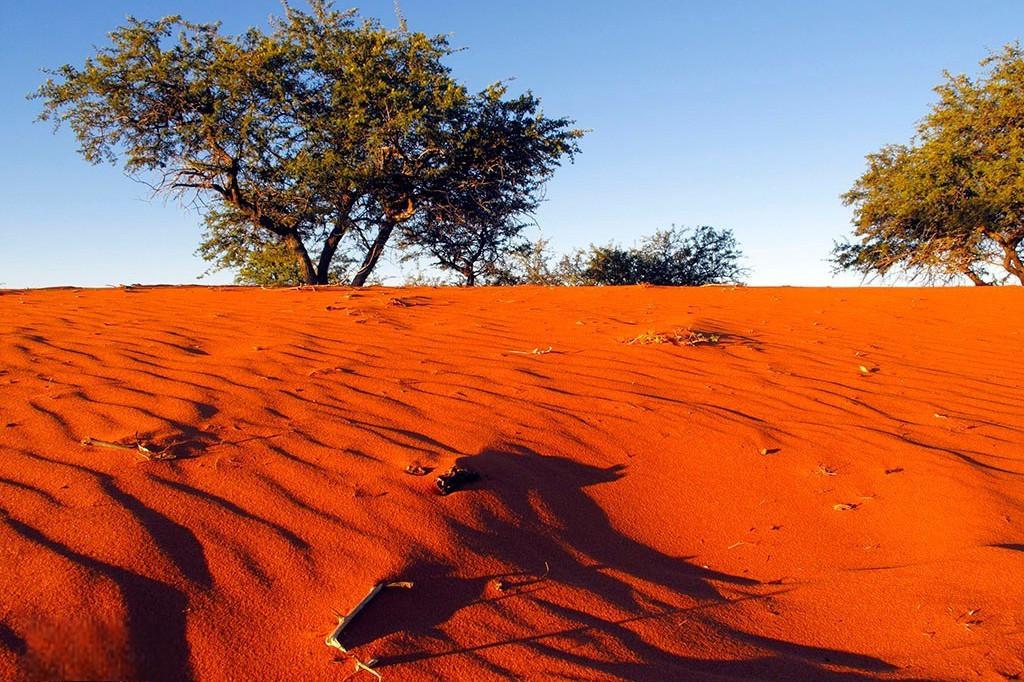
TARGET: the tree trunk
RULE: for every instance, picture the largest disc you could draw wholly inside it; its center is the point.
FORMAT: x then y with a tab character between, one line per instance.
1011	260
323	267
974	277
373	255
470	277
294	242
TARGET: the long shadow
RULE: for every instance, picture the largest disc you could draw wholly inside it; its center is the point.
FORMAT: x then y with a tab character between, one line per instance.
538	490
156	611
11	640
175	541
32	489
545	515
229	506
963	456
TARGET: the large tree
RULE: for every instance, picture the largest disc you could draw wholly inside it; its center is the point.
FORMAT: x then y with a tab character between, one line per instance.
321	128
951	202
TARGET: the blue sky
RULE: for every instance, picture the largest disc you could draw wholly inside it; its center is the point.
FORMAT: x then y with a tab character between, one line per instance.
754	116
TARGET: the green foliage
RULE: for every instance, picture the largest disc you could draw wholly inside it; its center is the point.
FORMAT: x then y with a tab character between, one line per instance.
304	134
950	203
498	153
258	259
672	257
272	265
533	263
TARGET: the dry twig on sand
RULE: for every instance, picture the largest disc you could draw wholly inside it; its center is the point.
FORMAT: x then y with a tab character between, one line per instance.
142	447
535	351
504	584
332	639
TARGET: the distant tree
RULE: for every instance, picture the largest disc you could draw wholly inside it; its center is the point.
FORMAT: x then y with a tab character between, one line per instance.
297	137
950	203
672	257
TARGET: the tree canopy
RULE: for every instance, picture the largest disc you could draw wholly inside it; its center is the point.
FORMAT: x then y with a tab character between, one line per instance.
322	129
497	159
951	202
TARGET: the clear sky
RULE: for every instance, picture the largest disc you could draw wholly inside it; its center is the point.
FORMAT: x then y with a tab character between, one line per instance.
742	114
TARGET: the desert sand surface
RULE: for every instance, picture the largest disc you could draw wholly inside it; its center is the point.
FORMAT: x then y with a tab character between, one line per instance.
830	487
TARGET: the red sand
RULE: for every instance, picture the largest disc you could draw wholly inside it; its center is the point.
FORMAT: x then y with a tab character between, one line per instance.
677	550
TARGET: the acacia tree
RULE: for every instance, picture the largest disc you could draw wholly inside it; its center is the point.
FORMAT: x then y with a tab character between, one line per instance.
950	203
293	138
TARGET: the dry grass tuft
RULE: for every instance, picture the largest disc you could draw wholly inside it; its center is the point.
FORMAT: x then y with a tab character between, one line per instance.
678	337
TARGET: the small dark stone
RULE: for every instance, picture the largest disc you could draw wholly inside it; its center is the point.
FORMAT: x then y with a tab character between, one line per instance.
455	478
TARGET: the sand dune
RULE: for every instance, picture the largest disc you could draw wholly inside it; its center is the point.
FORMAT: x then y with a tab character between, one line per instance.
831	488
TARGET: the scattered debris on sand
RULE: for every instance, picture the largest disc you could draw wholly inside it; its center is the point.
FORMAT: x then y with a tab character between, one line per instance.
826	470
678	337
150	450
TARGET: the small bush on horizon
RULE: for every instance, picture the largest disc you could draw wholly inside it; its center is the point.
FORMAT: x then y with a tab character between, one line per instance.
673	257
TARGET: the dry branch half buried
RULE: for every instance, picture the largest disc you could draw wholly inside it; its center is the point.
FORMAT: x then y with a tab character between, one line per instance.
142	447
535	351
344	621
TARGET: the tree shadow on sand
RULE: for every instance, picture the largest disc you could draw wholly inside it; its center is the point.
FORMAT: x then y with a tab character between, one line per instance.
155	610
544	516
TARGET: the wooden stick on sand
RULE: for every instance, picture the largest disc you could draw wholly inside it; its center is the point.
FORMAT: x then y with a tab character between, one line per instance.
343	622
